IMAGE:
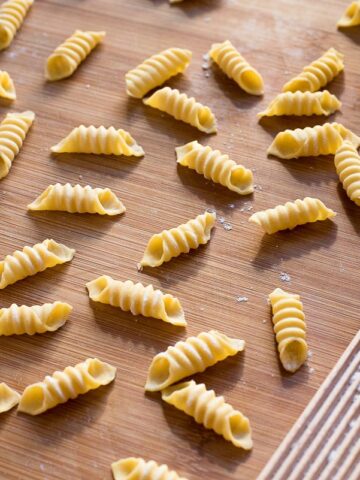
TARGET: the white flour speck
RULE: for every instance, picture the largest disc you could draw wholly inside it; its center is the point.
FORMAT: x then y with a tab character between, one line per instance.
87	85
264	321
207	74
231	205
211	210
80	177
241	298
227	226
221	219
310	354
206	57
311	370
285	277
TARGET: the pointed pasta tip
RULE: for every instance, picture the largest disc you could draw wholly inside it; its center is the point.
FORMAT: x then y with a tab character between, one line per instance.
9	398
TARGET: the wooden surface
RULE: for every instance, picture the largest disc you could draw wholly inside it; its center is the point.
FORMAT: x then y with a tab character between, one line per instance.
79	440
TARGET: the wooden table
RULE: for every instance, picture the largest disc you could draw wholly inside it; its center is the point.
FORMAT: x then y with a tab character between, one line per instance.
80	439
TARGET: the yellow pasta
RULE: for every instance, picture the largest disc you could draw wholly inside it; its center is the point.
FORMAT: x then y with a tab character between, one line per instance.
17	320
184	108
351	16
236	67
193	355
101	140
137	299
12	16
32	260
66	58
13	130
211	411
318	73
9	398
77	199
292	214
7	87
138	469
63	386
302	103
164	246
347	163
311	141
215	166
154	71
290	328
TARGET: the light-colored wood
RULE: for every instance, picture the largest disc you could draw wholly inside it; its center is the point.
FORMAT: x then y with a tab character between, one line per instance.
80	439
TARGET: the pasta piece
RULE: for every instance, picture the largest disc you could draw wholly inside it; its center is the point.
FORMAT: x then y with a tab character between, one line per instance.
101	140
9	398
193	355
168	244
311	141
302	103
12	16
347	163
137	299
211	411
77	199
318	74
138	469
63	386
13	130
154	71
66	58
351	16
7	87
32	260
216	167
292	214
184	108
36	319
290	328
236	67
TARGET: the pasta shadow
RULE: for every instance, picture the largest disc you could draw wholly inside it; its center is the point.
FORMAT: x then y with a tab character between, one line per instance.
351	209
352	33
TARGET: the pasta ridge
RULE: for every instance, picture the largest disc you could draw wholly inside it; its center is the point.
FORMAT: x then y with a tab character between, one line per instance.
168	244
155	70
347	164
290	328
9	398
32	260
190	356
13	130
138	469
351	16
12	15
66	58
99	140
211	411
292	214
18	320
237	68
214	165
65	385
319	73
184	108
7	87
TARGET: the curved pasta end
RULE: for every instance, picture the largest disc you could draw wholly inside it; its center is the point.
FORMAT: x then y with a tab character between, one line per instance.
58	316
7	87
32	400
64	253
40	202
123	469
154	253
351	16
241	180
183	150
297	84
329	103
252	82
159	374
174	392
9	398
239	430
293	354
59	66
101	372
110	203
206	121
174	312
6	37
97	286
285	145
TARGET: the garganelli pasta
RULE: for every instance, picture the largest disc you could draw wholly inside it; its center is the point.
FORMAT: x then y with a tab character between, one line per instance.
351	16
9	398
7	87
12	16
347	163
138	469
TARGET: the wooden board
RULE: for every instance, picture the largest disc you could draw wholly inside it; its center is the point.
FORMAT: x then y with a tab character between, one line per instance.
80	439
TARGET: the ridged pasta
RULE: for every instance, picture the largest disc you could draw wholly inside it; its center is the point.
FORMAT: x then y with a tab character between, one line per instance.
137	299
193	355
302	103
318	74
63	386
66	58
311	141
154	71
13	130
292	214
138	469
164	246
290	328
216	166
99	140
12	16
32	260
183	108
351	16
211	411
236	67
347	163
7	87
78	199
9	398
18	320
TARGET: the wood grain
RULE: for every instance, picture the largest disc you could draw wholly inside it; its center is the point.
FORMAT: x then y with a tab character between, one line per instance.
80	439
